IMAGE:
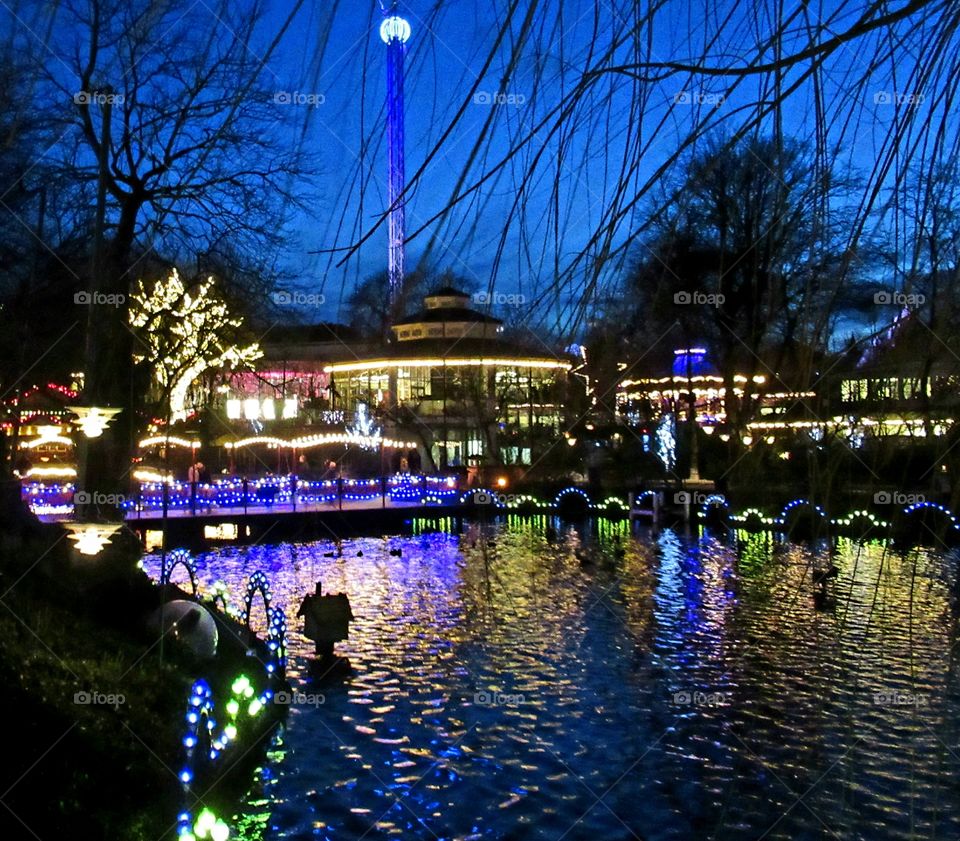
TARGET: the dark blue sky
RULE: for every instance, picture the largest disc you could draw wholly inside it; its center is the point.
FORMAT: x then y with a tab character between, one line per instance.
445	59
578	156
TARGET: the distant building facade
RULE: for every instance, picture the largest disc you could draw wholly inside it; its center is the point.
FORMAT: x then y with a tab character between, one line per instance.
449	381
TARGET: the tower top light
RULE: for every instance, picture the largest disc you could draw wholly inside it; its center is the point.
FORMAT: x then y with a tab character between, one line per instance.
394	28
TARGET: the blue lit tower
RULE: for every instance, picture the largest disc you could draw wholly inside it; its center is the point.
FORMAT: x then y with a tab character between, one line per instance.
395	31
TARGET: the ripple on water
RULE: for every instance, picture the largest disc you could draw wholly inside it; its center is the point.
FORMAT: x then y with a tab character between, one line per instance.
693	684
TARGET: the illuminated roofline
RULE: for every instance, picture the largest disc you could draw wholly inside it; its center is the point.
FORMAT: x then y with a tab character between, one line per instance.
50	439
51	472
842	421
173	440
305	442
344	367
700	378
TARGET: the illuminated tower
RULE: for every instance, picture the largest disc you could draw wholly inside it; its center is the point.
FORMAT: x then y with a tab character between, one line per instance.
395	31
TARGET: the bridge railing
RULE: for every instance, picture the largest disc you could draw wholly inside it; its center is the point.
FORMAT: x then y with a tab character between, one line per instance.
281	492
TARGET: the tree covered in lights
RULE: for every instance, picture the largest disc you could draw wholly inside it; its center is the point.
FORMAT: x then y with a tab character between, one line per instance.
666	441
183	332
364	425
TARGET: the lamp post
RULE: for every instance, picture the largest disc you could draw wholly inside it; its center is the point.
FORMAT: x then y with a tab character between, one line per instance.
92	422
90	538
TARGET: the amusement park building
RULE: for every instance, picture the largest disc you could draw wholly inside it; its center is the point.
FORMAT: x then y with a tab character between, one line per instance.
447	381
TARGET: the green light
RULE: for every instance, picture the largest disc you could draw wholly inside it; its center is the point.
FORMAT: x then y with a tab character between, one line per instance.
240	685
205	822
233	707
230	731
255	706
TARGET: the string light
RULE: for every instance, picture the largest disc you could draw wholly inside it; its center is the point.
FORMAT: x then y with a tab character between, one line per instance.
168	440
571	491
666	437
447	362
364	429
175	558
47	435
51	472
192	338
713	499
309	441
243	697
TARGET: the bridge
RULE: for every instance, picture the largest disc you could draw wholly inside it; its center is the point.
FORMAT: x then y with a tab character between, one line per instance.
239	496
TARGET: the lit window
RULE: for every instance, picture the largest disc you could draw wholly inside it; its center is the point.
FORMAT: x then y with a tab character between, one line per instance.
251	408
234	409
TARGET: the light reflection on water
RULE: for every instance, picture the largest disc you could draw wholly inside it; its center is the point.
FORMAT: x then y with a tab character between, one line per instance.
574	689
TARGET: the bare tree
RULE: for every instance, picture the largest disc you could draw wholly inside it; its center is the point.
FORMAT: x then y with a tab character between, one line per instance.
746	264
183	332
611	97
174	122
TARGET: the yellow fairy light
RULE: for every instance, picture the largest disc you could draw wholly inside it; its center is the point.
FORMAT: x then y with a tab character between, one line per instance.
171	440
50	472
308	441
185	332
152	476
344	367
47	434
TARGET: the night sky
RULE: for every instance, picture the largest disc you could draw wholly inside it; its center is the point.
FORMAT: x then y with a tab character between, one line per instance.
332	63
445	58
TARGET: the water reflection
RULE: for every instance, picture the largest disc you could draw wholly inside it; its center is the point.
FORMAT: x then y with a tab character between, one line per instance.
536	682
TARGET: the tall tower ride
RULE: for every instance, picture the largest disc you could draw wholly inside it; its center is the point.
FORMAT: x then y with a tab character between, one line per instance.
395	31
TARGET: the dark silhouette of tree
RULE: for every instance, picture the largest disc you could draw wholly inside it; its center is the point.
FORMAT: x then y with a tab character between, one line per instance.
747	264
176	134
368	307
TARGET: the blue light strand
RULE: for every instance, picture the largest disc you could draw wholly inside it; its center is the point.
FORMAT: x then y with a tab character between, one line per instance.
201	703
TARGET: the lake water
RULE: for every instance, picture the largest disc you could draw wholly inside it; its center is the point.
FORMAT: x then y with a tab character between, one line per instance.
599	685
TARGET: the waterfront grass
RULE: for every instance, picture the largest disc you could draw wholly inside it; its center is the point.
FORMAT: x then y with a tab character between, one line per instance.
94	717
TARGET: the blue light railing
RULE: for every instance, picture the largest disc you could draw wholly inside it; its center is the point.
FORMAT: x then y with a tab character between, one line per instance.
286	492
